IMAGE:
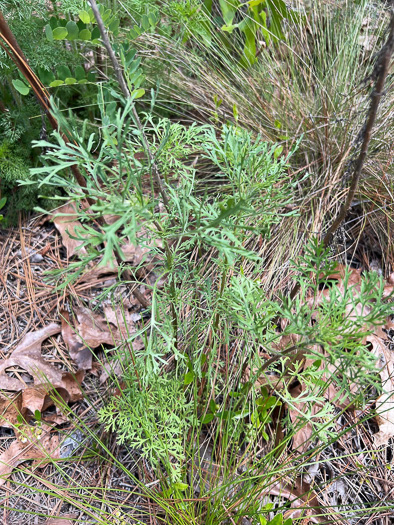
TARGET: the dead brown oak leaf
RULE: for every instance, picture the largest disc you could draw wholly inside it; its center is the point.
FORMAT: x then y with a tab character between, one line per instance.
384	357
66	221
10	409
79	352
90	329
332	394
29	445
47	378
385	402
354	281
303	502
389	324
130	254
111	327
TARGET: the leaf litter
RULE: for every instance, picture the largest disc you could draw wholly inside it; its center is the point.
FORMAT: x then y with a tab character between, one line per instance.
379	347
36	443
29	382
67	224
84	330
26	371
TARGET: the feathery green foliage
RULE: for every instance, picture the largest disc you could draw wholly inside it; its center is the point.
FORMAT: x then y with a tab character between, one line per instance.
207	403
202	310
153	419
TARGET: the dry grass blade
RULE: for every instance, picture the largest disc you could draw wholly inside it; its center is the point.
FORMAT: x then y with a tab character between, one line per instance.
61	520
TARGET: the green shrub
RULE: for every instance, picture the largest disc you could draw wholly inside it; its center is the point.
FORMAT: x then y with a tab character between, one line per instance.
211	303
311	84
14	166
21	118
207	400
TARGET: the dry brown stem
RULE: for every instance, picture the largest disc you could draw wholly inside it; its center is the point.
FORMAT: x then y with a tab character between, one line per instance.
380	73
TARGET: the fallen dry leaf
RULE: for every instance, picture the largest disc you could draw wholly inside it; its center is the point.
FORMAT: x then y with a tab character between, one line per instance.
385	361
66	220
384	403
110	328
303	501
271	381
123	319
134	254
340	272
96	271
10	409
79	353
389	325
29	445
114	368
46	377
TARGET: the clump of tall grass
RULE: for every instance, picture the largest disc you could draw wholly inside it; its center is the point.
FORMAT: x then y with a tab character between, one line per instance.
313	87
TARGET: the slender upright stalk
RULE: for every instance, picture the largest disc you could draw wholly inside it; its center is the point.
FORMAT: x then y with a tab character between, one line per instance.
153	166
126	93
379	74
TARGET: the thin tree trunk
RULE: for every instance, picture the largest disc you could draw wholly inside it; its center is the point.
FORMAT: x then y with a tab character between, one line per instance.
379	74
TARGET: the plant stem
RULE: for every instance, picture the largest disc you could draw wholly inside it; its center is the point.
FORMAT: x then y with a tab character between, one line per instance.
123	86
221	290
